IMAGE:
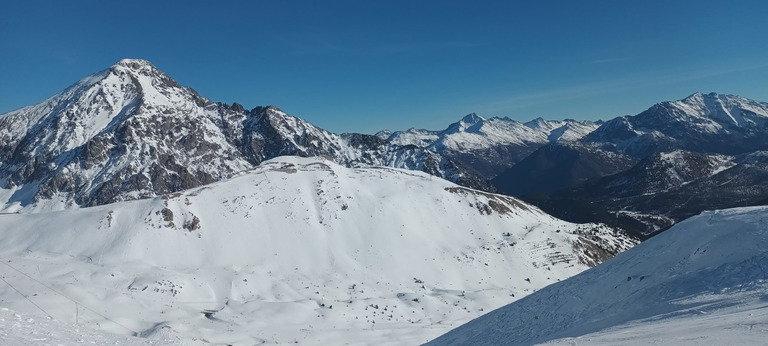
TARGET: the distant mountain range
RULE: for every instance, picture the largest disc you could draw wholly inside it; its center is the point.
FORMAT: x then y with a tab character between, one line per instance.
711	123
132	132
661	166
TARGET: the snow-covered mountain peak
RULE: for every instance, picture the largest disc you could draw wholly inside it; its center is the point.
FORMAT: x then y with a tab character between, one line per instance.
129	122
542	124
718	123
728	110
134	63
471	119
138	65
562	130
469	123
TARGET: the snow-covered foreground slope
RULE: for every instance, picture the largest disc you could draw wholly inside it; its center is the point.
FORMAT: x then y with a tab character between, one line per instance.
704	281
296	250
743	322
21	329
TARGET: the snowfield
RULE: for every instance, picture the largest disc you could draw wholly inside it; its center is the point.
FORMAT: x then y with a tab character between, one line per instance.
704	281
19	329
296	250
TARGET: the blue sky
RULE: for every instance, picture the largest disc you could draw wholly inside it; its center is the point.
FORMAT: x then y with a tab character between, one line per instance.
362	66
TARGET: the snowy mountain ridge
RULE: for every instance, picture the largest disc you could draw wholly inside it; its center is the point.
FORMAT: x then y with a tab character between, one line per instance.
725	124
702	132
297	249
474	132
491	145
131	132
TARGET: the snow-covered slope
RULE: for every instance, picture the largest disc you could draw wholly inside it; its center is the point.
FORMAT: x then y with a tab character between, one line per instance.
712	265
22	329
296	250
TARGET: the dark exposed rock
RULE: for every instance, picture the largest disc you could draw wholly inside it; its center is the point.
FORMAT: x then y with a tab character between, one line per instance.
664	189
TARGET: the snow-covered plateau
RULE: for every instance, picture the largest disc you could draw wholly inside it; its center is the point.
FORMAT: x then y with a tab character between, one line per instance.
704	281
297	250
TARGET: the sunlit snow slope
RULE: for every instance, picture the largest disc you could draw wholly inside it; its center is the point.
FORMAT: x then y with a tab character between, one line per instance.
701	282
296	250
21	329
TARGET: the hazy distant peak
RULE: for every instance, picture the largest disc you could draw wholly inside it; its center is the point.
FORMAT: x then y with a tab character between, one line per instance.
472	118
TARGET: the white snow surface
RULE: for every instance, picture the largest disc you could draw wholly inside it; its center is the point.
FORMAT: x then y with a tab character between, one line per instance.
23	329
474	132
295	250
567	130
721	109
704	281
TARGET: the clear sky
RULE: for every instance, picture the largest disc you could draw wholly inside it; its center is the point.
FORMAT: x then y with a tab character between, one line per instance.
362	66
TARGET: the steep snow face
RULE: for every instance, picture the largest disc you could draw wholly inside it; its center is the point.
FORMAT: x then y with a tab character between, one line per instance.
296	250
723	109
714	263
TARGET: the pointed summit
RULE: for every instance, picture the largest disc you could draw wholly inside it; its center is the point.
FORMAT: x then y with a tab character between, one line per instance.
128	123
695	96
541	124
134	63
471	119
